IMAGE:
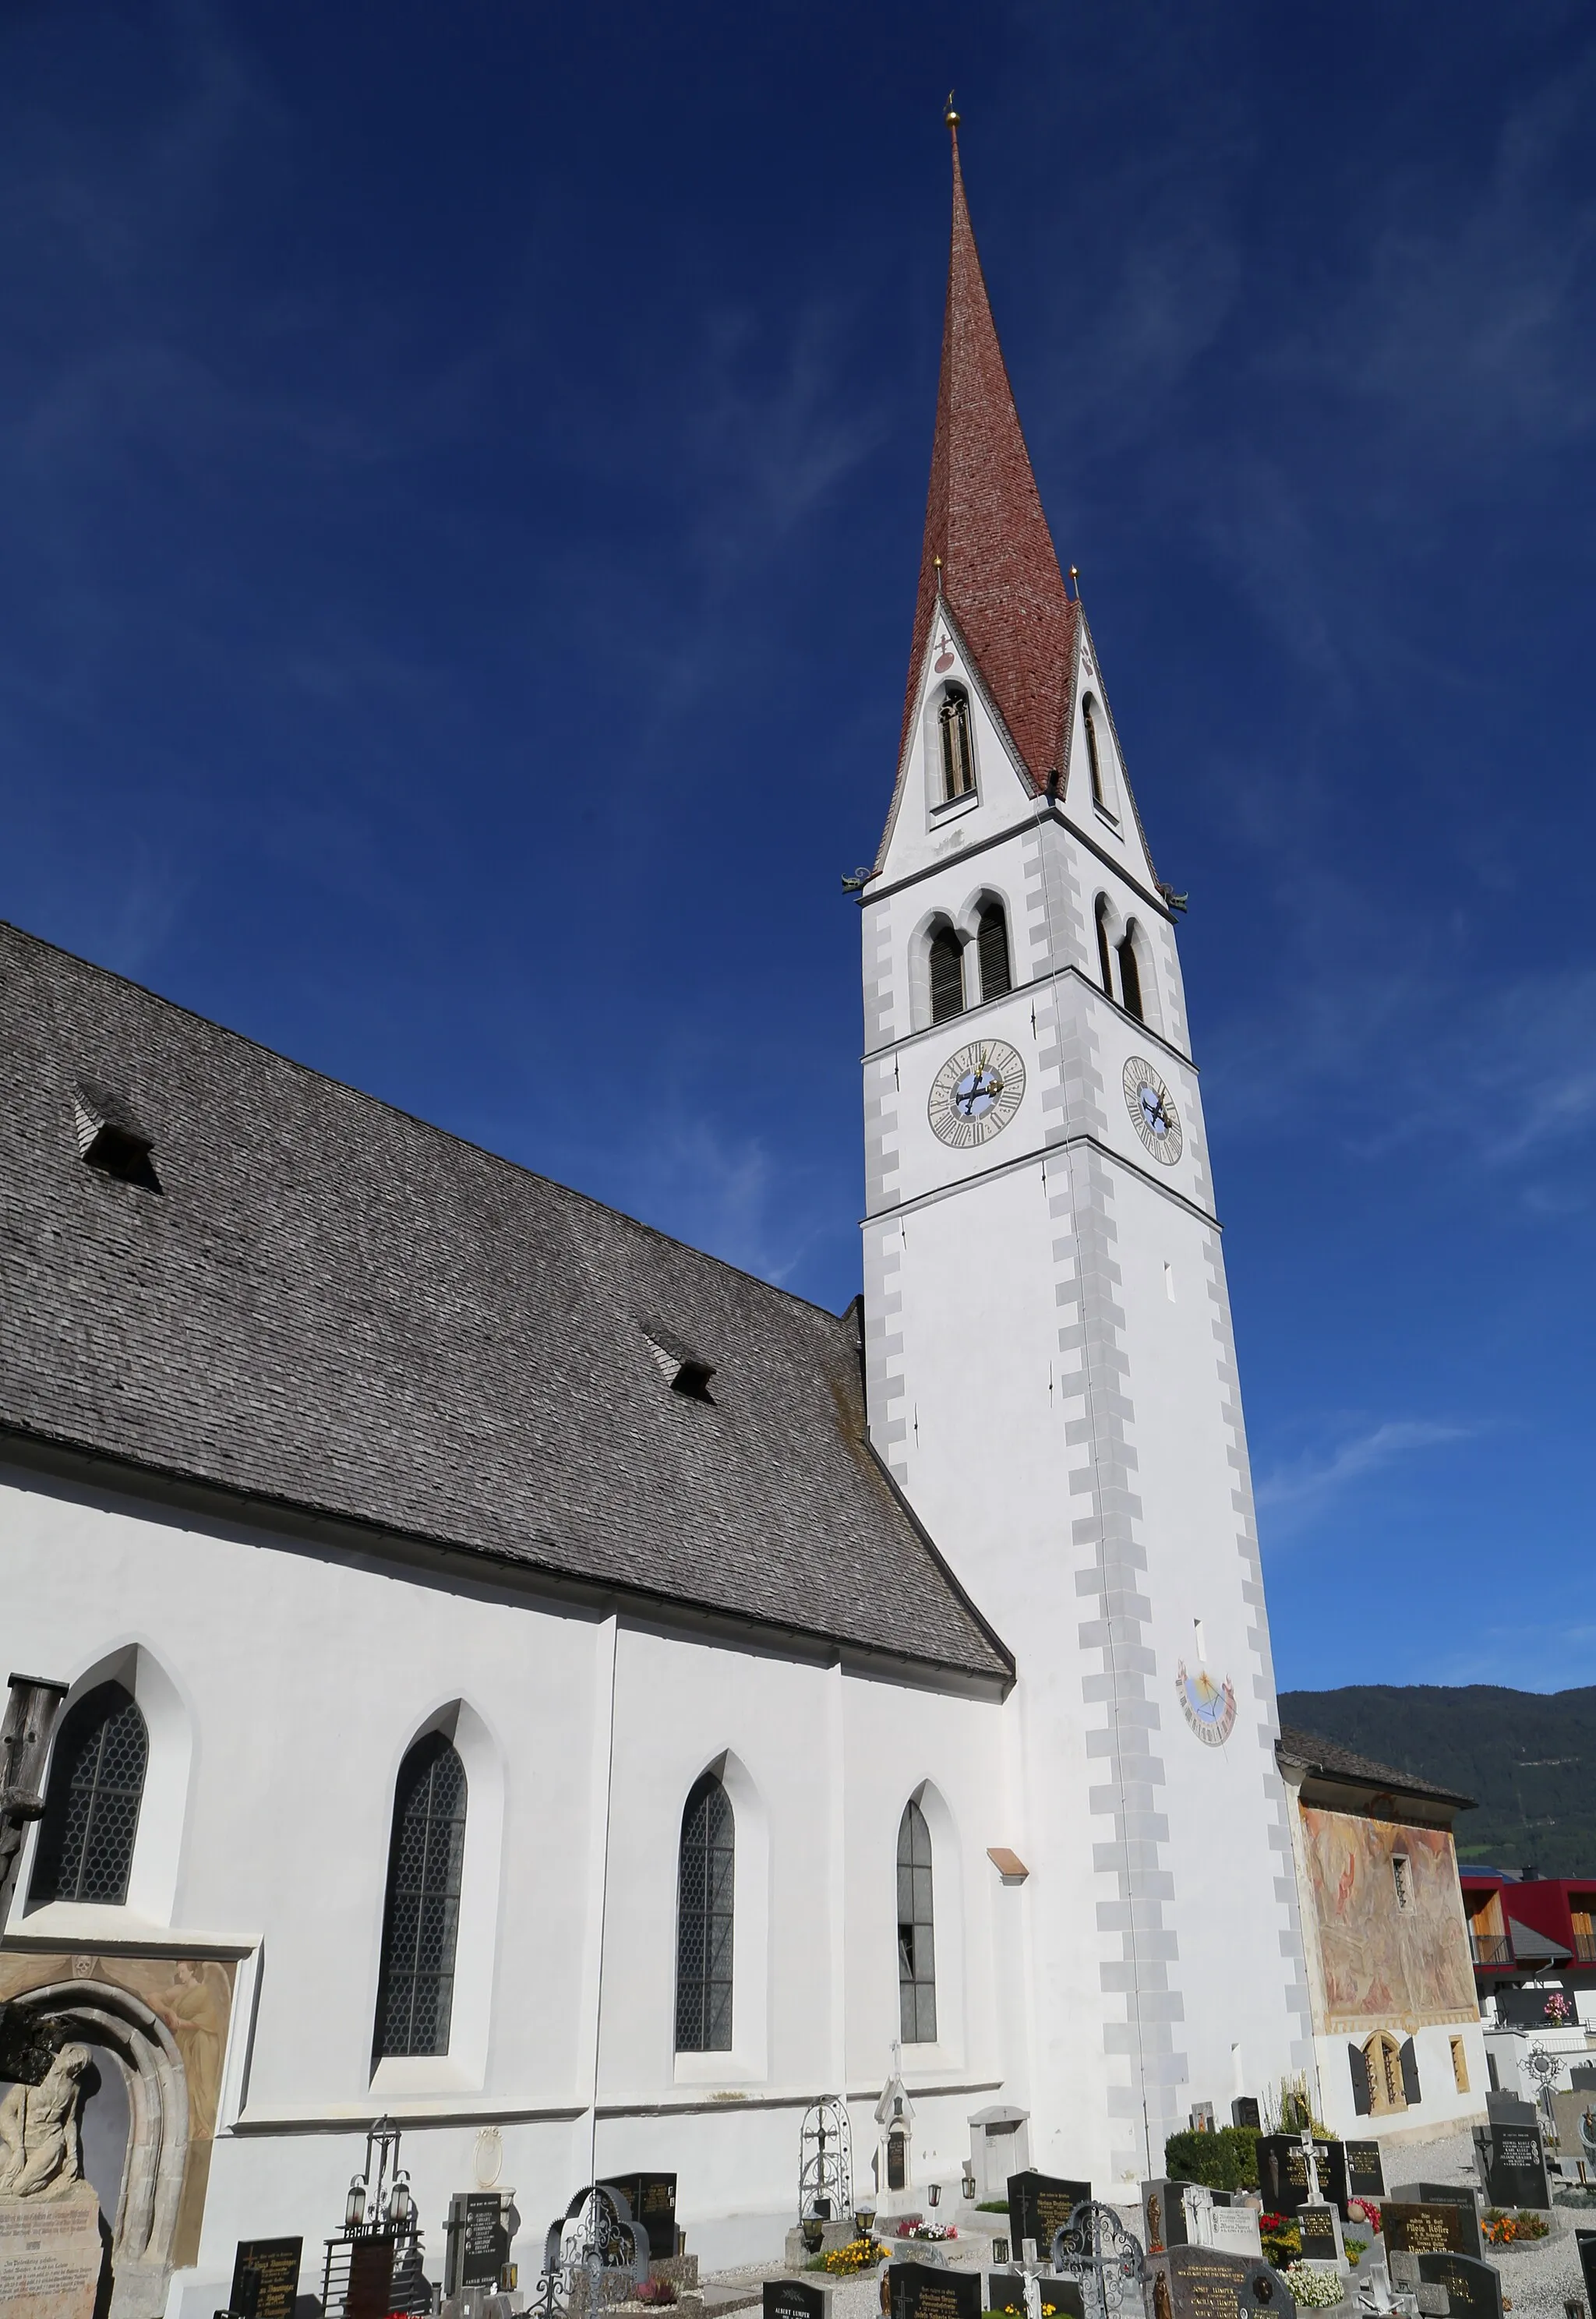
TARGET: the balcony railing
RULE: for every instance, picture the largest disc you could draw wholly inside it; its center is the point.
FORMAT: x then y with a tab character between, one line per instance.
1490	1948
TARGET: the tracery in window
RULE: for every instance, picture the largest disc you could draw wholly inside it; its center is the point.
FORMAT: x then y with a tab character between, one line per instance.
916	1931
421	1920
704	1913
91	1807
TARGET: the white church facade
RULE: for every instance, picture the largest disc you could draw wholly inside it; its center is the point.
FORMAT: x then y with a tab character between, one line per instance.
532	1680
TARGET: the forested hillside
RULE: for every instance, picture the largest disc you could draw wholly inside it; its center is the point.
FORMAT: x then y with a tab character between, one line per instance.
1527	1756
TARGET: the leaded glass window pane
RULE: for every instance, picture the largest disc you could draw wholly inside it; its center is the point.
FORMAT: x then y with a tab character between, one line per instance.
703	1912
916	1931
415	2000
91	1810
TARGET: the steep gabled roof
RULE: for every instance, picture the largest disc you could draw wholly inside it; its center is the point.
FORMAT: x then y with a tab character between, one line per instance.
1332	1761
306	1298
999	573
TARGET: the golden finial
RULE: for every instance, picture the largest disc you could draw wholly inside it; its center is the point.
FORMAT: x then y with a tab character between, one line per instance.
949	115
1074	575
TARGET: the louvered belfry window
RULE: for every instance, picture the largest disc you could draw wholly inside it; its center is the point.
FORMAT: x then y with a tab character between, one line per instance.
1131	977
958	755
947	975
421	1922
91	1811
704	1914
1094	763
916	1931
1104	961
992	947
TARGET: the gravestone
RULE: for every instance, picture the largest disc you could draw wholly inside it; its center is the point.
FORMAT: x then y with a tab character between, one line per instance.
919	2291
50	2255
1585	2241
1039	2205
1365	2172
1431	2226
1508	2109
1164	2214
796	2298
1244	2111
1319	2226
1006	2292
1582	2077
1575	2113
266	2278
653	2200
1283	2173
1513	2164
478	2242
1473	2289
371	2279
1233	2230
1202	2283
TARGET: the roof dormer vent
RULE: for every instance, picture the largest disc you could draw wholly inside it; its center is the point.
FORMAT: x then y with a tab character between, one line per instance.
683	1370
110	1136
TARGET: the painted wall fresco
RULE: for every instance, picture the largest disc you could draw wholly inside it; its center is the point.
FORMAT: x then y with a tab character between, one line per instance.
1383	1963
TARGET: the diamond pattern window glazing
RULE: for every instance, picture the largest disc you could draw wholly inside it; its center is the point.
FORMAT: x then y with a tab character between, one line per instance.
91	1809
916	1931
704	1909
415	2000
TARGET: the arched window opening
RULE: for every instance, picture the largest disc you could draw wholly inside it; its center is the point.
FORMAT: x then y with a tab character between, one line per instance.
91	1809
1105	957
957	751
705	1894
1384	2058
1088	715
421	1920
992	950
947	975
916	1932
1130	976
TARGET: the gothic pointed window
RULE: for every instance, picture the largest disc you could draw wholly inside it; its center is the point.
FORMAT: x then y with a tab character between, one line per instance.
916	1931
1104	954
91	1810
947	975
422	1921
957	750
1130	976
992	950
1088	717
705	1893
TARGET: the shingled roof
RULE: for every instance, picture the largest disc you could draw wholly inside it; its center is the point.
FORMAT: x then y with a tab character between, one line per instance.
305	1298
1331	1760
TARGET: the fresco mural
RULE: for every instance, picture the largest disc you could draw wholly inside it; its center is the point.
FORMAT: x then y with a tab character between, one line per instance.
1384	1962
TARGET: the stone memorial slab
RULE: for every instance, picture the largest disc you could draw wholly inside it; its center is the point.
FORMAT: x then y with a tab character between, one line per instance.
1320	2228
1508	2109
1513	2161
1233	2230
371	2279
1204	2283
1006	2292
1473	2289
481	2243
1163	2214
653	2200
1365	2170
50	2255
919	2291
796	2298
1039	2205
1585	2242
1575	2113
1244	2111
1431	2226
266	2278
1283	2173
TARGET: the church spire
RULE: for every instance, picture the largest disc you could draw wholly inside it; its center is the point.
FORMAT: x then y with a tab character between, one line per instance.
987	549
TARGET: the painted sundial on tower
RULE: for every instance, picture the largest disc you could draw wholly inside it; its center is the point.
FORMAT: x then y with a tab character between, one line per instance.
975	1093
1152	1111
1209	1707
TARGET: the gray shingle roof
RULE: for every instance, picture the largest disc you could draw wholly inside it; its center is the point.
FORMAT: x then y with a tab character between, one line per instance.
329	1304
1334	1761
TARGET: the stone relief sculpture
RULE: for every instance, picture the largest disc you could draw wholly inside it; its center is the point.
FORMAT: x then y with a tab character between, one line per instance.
40	2145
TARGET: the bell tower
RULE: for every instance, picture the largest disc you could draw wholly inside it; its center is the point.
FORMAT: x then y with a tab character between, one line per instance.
1051	1371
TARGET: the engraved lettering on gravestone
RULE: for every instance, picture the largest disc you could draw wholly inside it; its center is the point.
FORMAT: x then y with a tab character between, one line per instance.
795	2298
1437	2227
1201	2283
50	2255
1040	2204
917	2291
1365	2173
371	2279
266	2278
1473	2289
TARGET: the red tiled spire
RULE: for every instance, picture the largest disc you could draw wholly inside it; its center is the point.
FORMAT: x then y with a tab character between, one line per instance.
1000	575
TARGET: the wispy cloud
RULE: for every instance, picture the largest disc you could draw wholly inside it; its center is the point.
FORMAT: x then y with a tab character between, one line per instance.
1297	1494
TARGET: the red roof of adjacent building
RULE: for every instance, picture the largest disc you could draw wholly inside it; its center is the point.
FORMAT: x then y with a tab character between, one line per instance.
1000	576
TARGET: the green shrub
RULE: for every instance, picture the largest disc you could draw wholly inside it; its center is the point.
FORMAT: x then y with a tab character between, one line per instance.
1225	2161
992	2207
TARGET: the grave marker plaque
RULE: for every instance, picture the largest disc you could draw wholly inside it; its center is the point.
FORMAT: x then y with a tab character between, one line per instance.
1514	2164
1006	2292
1039	2205
266	2278
371	2279
1431	2226
1473	2289
916	2290
796	2298
1585	2241
1244	2111
653	2200
1202	2283
1365	2172
1318	2227
1283	2173
484	2242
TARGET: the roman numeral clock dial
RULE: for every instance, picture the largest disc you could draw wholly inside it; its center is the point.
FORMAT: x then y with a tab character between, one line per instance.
1152	1111
975	1093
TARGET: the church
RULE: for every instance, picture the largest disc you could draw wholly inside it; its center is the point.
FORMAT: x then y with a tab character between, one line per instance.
532	1680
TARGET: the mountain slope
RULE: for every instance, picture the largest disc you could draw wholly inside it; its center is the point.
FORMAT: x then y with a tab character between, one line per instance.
1527	1756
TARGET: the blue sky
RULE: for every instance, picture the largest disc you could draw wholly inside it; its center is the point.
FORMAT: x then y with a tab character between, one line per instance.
462	475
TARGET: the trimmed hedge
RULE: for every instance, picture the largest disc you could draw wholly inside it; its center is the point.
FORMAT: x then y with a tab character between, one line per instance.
1225	2161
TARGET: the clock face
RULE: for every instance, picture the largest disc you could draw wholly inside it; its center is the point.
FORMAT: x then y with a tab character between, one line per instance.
975	1093
1152	1111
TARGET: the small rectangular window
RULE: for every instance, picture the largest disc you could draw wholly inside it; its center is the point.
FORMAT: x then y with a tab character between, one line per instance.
1459	2066
1398	1877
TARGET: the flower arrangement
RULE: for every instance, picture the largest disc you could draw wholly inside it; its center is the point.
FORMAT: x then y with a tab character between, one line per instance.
1557	2009
1502	2229
1283	2240
656	2292
934	2232
1312	2290
1368	2210
858	2254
